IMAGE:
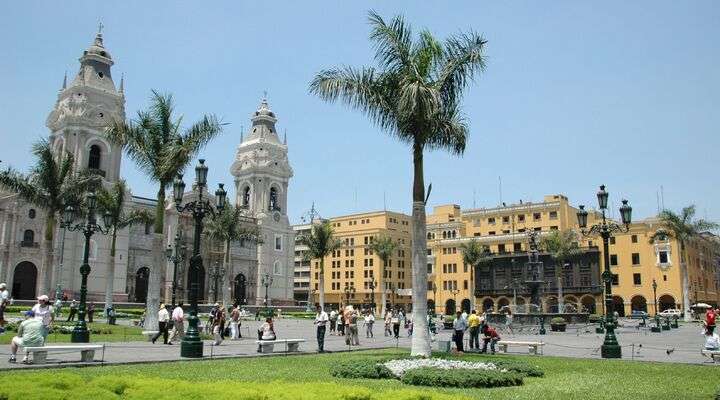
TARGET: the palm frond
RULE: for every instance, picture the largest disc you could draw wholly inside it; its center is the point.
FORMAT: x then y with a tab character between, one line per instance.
449	132
384	246
393	42
464	58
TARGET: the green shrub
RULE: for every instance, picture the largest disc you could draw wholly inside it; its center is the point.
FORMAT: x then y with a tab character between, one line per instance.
462	378
519	367
448	319
595	318
361	369
557	321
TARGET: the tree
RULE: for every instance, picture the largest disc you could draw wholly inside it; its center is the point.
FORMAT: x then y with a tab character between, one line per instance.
50	185
474	254
112	201
415	96
384	246
562	247
160	147
683	226
320	242
231	225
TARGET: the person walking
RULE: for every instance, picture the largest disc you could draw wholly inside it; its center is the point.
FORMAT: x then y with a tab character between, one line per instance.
29	334
395	321
218	326
163	322
509	321
58	308
91	312
459	328
4	302
73	310
388	323
178	318
710	320
491	336
333	320
341	323
321	320
369	322
43	312
353	326
474	326
266	332
235	323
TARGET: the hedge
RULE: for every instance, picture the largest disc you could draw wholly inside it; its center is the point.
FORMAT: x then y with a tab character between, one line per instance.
519	367
461	378
361	369
128	387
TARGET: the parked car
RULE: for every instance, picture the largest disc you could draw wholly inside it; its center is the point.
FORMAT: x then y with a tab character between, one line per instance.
670	313
637	314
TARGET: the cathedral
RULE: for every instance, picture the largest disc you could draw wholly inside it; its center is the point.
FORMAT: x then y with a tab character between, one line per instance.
261	173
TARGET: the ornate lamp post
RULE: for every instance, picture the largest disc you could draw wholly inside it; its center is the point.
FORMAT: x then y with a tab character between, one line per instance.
176	255
372	284
349	290
534	278
610	347
216	272
191	345
80	333
267	281
454	293
434	290
655	328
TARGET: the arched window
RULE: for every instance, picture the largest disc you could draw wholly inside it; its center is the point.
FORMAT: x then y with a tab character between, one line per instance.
246	197
276	268
454	233
31	213
94	157
273	200
429	235
444	235
28	237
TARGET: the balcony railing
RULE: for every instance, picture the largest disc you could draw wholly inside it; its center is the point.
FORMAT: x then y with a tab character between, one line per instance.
26	243
522	291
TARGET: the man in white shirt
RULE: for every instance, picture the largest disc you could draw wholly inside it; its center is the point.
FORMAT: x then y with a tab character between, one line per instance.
44	312
163	320
321	320
178	318
4	301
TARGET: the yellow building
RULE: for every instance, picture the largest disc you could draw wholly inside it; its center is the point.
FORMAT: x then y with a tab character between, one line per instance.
355	266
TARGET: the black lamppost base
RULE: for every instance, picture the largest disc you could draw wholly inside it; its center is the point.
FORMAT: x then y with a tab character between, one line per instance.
191	345
80	334
611	351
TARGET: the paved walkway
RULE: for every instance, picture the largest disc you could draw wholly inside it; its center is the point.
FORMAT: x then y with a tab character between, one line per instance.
678	345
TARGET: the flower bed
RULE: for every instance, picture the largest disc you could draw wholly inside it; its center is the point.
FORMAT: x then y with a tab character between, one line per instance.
400	367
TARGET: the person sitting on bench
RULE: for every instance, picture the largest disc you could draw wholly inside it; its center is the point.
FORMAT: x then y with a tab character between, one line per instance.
266	332
712	340
30	334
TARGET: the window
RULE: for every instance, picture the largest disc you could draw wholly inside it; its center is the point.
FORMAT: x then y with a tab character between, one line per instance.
536	216
429	268
612	240
637	280
429	252
636	258
517	247
506	231
538	229
491	233
553	214
506	219
246	197
491	220
613	259
273	204
94	157
554	228
28	238
521	218
465	284
615	279
278	242
501	248
148	228
31	213
664	278
663	257
633	238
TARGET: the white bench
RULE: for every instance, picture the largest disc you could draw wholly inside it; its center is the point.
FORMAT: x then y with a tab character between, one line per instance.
711	354
87	351
149	334
291	345
532	346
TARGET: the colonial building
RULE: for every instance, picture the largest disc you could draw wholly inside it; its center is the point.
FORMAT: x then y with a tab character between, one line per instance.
76	124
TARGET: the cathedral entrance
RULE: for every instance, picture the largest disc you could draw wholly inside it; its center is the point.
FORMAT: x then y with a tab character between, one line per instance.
24	281
141	284
239	291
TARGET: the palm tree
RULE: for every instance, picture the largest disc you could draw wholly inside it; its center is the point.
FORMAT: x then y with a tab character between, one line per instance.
562	246
112	201
231	225
50	185
415	96
320	242
683	226
160	147
474	254
384	246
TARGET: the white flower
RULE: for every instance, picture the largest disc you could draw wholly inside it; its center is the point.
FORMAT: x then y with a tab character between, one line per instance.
399	367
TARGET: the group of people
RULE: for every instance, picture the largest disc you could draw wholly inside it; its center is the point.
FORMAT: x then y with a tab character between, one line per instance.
476	325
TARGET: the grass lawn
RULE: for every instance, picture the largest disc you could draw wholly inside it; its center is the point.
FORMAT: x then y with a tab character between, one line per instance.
565	378
118	333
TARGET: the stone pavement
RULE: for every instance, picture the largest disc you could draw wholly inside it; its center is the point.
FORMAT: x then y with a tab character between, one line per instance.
678	345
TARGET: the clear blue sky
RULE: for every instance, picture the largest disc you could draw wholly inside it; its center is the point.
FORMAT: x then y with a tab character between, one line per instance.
576	93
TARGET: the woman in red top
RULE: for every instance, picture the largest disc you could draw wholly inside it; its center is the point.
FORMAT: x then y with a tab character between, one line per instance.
710	320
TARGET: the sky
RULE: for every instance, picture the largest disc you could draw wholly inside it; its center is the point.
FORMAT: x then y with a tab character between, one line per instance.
576	94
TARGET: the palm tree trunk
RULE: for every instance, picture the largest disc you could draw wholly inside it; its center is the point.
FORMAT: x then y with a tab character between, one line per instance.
224	279
44	281
685	283
321	283
152	304
110	278
420	339
160	209
561	300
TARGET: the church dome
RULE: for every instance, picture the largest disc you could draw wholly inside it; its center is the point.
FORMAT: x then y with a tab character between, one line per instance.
264	110
97	48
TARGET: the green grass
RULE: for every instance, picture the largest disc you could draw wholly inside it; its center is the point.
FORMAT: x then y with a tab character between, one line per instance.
565	378
118	333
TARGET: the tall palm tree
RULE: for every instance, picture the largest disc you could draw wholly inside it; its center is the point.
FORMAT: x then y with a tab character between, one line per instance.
50	185
562	247
231	225
474	254
414	95
112	201
320	242
384	246
159	145
683	226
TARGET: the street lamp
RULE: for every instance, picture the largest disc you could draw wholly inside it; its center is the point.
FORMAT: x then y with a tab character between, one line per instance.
349	290
534	277
454	293
80	333
610	347
372	285
656	328
176	255
216	272
267	281
191	345
434	290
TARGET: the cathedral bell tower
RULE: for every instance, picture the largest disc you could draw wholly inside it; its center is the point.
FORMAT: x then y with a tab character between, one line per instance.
262	173
83	110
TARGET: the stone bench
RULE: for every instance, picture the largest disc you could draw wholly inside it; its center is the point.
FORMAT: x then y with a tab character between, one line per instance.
711	354
532	346
291	345
87	351
149	334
